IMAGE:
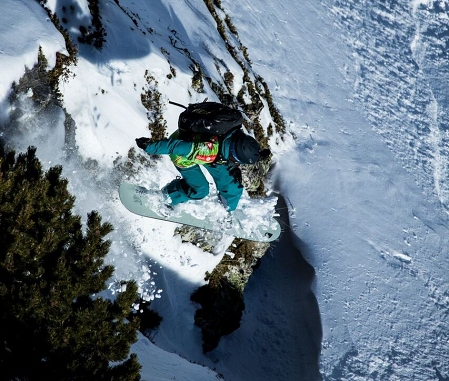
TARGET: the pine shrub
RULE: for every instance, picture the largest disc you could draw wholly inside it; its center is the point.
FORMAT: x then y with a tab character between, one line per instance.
52	327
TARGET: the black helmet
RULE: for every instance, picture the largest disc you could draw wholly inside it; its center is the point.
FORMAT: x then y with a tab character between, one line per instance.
245	149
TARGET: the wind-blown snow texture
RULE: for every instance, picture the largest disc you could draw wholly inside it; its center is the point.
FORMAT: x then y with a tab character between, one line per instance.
363	88
371	220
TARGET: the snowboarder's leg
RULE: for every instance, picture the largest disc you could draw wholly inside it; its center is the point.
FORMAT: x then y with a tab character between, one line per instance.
192	186
230	190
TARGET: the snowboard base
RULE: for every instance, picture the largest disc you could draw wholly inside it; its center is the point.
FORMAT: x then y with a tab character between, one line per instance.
240	223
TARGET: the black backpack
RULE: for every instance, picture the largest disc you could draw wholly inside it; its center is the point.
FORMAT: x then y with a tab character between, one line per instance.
207	119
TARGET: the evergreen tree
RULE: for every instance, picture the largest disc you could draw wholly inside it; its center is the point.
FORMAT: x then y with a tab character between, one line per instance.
51	325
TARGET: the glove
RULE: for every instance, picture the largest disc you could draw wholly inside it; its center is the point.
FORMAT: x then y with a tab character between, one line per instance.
264	153
236	173
143	142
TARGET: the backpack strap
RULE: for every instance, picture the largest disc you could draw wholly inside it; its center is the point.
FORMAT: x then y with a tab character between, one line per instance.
177	104
219	159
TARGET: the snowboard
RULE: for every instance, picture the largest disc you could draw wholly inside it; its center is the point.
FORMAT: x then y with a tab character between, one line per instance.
240	223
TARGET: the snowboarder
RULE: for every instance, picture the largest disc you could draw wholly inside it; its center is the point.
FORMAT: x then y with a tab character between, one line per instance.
220	157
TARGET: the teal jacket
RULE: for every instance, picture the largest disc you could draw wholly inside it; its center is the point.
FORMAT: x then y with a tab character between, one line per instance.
187	156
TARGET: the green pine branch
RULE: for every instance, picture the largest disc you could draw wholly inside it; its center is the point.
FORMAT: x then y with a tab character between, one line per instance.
51	327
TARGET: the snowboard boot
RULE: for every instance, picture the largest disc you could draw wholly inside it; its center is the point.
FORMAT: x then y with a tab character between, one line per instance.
166	207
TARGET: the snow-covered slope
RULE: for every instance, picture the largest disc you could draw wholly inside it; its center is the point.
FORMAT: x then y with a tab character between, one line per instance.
17	49
367	193
363	88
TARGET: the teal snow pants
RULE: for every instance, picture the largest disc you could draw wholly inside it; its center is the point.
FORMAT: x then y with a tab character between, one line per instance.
194	186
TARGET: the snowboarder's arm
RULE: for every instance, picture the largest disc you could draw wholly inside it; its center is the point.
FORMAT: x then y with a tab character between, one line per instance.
169	146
